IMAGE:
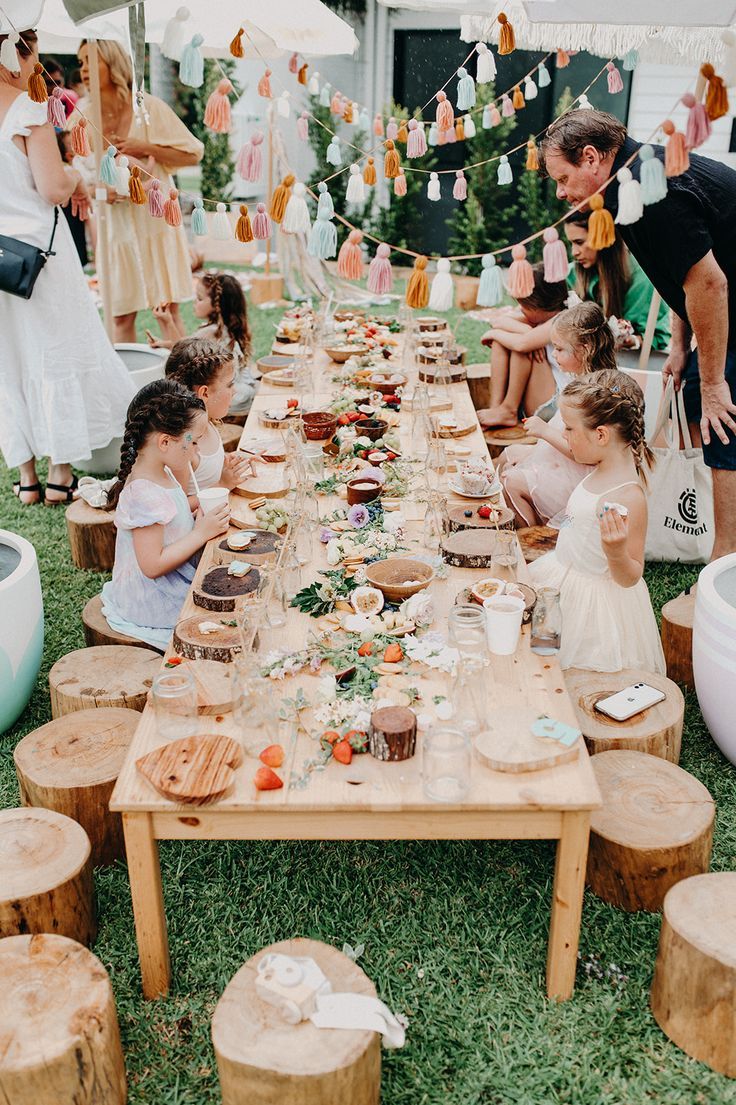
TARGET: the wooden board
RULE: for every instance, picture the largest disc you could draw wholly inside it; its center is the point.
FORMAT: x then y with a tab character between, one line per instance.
206	592
503	519
508	744
189	641
213	681
454	431
271	485
195	770
535	541
469	548
261	550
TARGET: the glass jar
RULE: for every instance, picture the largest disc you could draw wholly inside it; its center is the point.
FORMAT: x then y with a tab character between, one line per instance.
467	631
505	555
547	622
469	695
436	466
174	696
446	765
436	524
253	707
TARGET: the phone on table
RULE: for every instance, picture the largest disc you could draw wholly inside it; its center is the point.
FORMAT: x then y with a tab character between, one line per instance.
630	701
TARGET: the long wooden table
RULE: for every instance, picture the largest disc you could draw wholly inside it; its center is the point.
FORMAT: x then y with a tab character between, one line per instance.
388	803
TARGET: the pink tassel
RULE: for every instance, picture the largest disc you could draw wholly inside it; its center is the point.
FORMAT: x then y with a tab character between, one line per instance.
615	83
80	141
460	188
262	228
155	199
445	116
172	210
378	126
496	115
450	136
302	126
698	128
392	129
294	63
520	281
264	85
563	59
400	185
336	103
250	158
380	277
554	256
350	257
217	112
416	143
55	112
507	107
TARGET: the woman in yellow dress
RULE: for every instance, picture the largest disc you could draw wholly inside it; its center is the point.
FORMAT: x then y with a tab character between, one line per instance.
148	259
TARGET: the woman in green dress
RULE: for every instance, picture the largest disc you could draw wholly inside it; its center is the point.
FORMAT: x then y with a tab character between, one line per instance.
613	279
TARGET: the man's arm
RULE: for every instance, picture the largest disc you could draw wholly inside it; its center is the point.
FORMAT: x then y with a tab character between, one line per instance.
706	298
682	337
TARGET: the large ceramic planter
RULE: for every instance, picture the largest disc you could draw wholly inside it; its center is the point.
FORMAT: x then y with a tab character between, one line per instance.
144	365
714	651
21	625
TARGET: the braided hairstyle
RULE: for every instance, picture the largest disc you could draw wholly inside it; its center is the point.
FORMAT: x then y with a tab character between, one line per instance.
611	398
229	311
195	362
585	326
163	407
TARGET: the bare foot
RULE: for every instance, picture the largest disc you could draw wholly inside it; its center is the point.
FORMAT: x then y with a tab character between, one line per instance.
497	416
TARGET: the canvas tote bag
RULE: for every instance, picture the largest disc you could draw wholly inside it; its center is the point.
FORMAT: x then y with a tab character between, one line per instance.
680	490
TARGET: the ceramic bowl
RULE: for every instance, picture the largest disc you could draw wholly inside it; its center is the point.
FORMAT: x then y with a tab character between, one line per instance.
363	489
384	386
399	577
372	428
342	353
319	425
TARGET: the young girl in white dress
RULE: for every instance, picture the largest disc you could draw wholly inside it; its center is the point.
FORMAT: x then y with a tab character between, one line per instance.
607	617
158	539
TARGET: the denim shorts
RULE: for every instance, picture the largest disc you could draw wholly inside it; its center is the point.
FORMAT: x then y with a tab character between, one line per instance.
715	455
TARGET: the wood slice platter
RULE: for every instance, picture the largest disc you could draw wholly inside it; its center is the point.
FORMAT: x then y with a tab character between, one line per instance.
281	377
498	437
453	431
214	686
270	485
262	548
535	541
223	645
503	518
271	364
466	598
270	423
469	548
243	516
509	745
219	591
195	770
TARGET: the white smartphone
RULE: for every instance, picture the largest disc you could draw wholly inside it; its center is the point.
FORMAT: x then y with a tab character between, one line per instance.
630	701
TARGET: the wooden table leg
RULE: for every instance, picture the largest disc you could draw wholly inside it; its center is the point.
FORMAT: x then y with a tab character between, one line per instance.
567	904
144	871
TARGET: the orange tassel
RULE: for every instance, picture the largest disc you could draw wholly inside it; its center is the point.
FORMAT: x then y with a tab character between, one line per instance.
391	162
676	158
520	282
135	186
302	74
264	85
369	172
243	228
37	90
236	46
350	257
79	139
563	59
444	115
716	97
518	99
506	37
280	198
217	111
417	290
347	115
336	104
601	231
532	157
460	129
403	135
172	210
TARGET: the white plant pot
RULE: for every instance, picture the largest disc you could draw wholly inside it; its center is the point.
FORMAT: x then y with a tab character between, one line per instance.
714	651
21	625
144	365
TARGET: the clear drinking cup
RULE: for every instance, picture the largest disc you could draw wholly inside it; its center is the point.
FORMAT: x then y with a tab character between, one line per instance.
174	696
505	555
467	631
446	765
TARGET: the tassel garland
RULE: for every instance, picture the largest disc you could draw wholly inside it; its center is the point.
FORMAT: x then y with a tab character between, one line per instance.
264	85
400	185
296	216
262	228
444	114
485	65
380	277
507	107
490	289
470	131
333	155
417	290
543	78
584	103
236	46
448	136
302	126
364	120
459	130
460	187
506	38
653	179
37	90
532	155
175	35
563	59
348	115
172	210
615	81
355	192
601	231
221	229
416	143
325	206
716	97
485	122
250	158
378	126
442	292
9	54
518	99
350	257
217	112
530	89
504	176
554	256
369	172
520	281
324	96
698	127
676	158
322	242
135	186
465	90
391	161
313	86
199	218
55	112
280	198
392	129
434	136
336	104
243	228
283	107
630	203
403	135
79	139
433	187
108	169
122	176
191	66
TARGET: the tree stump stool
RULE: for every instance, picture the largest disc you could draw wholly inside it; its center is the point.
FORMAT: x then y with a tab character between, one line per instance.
71	765
479	384
499	437
262	1060
238	418
677	637
106	675
655	827
91	536
58	1025
97	631
694	986
657	730
230	432
45	876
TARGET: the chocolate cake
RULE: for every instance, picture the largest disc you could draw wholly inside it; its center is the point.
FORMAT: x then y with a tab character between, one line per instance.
219	590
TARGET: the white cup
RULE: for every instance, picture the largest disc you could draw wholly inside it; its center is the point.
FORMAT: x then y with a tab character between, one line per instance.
212	498
503	623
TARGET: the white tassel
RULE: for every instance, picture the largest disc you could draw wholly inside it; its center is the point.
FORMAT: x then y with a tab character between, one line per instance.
530	89
505	176
122	176
356	187
296	217
470	130
584	103
333	155
442	291
433	187
486	65
630	204
9	54
433	136
543	77
176	35
221	228
283	107
313	85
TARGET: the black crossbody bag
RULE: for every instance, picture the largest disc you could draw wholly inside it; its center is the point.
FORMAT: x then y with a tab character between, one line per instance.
20	263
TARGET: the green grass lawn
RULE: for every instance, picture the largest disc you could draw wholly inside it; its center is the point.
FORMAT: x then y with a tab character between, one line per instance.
455	934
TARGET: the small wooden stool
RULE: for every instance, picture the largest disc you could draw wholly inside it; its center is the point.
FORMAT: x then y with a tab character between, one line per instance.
91	536
70	765
479	384
237	419
677	637
230	432
106	675
45	875
657	730
535	541
261	1059
97	631
654	828
499	437
58	1024
694	986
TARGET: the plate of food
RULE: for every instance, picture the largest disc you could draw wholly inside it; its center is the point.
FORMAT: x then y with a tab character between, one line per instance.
491	489
447	425
282	377
342	353
490	587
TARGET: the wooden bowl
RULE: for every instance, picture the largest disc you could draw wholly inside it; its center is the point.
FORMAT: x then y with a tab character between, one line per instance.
272	364
386	388
343	353
399	577
357	493
319	425
372	428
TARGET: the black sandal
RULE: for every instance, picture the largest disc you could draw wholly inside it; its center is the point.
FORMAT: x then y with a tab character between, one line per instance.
31	488
68	489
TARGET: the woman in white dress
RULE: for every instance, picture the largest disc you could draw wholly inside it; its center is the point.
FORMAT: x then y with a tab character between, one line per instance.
64	389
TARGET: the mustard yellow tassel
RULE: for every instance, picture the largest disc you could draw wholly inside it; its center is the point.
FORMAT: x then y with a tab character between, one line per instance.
236	46
403	133
280	198
518	99
391	162
37	90
506	37
601	230
302	74
243	228
417	290
532	157
369	172
135	186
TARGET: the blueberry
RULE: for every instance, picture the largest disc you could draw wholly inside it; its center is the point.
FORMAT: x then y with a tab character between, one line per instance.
468	514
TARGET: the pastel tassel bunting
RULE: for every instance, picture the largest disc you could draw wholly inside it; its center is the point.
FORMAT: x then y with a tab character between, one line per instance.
615	81
302	74
470	130
79	139
336	104
369	172
652	177
563	59
236	46
532	156
191	66
400	185
433	187
135	187
442	291
313	85
264	85
465	90
325	206
543	78
296	216
350	257
199	218
55	112
355	192
172	210
221	229
37	90
459	130
504	176
217	113
448	136
698	127
630	203
9	53
676	158
293	63
280	198
520	280
507	107
530	89
378	130
322	242
485	122
262	229
392	129
416	143
348	115
554	256
283	106
716	97
518	99
175	35
584	103
122	176
250	158
391	161
380	277
403	135
364	120
601	231
460	187
506	38
490	288
417	290
333	154
108	168
485	65
631	60
324	96
302	127
444	114
243	228
434	136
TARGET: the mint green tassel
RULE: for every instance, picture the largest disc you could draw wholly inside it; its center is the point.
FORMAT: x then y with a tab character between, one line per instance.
322	238
324	96
490	289
631	60
191	66
652	178
325	206
108	168
199	219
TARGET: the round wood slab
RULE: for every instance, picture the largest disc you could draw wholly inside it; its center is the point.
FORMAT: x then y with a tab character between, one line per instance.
270	485
218	591
509	745
535	541
261	549
469	548
223	645
503	519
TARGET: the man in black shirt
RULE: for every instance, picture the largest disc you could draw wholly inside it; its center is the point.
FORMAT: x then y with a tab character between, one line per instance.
686	244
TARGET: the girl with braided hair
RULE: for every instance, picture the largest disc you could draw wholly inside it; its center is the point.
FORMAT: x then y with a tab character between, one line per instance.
607	617
158	541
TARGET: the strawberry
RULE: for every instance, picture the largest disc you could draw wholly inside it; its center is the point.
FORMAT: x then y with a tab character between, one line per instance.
343	420
484	511
366	649
342	752
292	403
355	416
393	654
266	779
357	739
392	456
273	756
330	737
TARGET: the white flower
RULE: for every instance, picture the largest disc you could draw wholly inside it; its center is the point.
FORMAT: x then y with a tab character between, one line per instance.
327	688
334	552
419	609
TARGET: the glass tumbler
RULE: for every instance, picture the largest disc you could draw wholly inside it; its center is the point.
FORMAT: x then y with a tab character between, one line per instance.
467	631
446	765
253	707
470	695
174	695
546	634
505	555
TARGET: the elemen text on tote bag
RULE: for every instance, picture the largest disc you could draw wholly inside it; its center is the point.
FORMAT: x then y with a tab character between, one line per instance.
680	490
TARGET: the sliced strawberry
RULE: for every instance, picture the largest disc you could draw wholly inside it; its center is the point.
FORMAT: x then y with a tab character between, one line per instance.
342	752
366	649
343	420
292	403
266	779
273	756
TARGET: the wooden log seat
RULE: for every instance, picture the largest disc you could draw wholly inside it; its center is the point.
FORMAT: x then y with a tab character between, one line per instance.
677	637
91	533
98	632
106	675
